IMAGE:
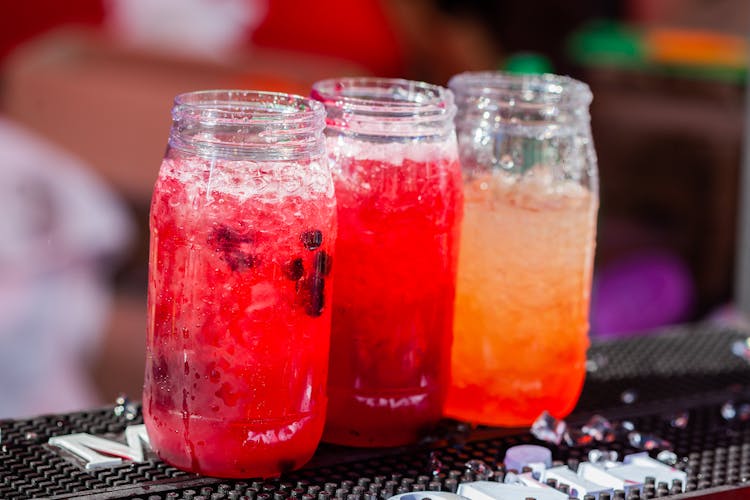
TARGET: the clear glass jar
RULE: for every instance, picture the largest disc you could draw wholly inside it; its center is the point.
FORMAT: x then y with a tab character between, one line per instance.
242	234
527	246
393	152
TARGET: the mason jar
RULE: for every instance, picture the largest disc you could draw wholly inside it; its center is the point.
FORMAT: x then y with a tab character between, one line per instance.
243	227
392	148
527	246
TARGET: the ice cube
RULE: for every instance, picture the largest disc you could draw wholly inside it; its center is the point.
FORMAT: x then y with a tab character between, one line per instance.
478	469
736	411
576	438
599	428
629	396
667	457
679	420
728	411
622	429
642	441
548	429
602	456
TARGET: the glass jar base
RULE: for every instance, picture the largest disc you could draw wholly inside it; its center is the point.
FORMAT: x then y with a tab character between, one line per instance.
231	448
477	406
381	419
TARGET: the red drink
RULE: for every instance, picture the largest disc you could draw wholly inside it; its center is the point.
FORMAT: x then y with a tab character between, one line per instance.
239	315
399	207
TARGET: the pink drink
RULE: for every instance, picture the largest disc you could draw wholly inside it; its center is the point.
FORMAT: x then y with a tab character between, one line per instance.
239	312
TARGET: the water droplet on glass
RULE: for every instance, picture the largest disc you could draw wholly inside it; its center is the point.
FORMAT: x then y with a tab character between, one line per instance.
629	397
436	466
680	420
479	468
548	429
667	457
599	428
647	442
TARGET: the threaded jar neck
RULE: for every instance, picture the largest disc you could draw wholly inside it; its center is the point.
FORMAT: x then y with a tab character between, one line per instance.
247	125
521	100
390	108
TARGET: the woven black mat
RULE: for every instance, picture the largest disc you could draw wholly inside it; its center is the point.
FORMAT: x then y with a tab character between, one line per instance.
689	369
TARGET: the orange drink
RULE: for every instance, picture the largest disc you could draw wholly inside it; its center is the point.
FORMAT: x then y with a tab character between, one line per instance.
521	315
527	246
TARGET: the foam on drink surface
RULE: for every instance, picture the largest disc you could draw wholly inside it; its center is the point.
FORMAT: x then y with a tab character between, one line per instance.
391	152
244	180
537	190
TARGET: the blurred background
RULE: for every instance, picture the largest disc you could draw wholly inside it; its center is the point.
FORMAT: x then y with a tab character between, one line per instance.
86	87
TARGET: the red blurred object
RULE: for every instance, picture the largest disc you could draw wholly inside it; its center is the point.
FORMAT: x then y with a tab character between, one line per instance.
358	31
30	18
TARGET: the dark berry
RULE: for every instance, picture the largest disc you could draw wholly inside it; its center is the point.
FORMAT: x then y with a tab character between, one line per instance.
310	294
323	263
224	238
238	260
294	269
312	239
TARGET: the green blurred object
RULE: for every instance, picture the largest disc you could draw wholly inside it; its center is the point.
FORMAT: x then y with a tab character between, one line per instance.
527	63
604	43
608	43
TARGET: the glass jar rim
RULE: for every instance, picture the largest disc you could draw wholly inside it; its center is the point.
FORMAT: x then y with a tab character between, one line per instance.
370	94
233	106
518	89
248	124
378	107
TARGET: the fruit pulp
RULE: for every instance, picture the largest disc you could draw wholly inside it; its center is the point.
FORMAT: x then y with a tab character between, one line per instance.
522	299
238	316
396	258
